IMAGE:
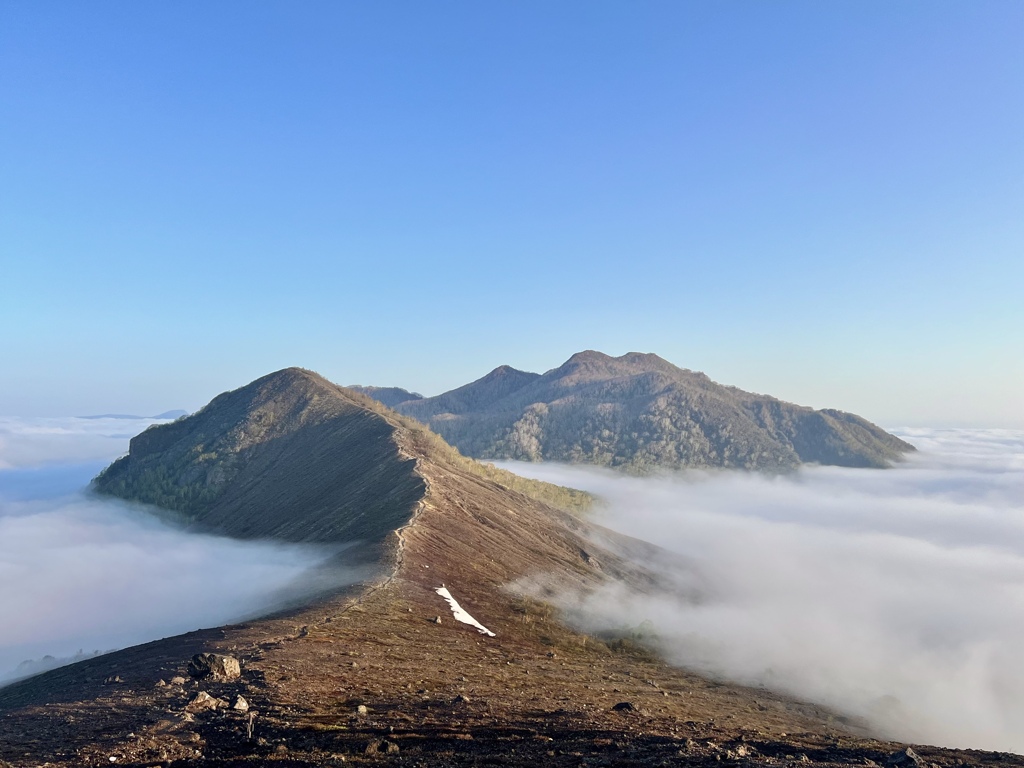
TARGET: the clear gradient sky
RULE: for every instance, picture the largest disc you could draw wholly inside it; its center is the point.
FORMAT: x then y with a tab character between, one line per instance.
823	201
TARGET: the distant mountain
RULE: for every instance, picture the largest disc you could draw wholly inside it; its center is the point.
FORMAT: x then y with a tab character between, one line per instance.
639	412
389	396
177	414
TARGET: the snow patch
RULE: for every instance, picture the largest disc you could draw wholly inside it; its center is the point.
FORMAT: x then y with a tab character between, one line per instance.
460	613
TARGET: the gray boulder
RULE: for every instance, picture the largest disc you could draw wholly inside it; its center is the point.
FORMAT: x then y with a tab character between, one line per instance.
214	665
203	702
905	758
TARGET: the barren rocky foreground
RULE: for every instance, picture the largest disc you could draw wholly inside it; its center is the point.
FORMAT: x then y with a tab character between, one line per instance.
381	672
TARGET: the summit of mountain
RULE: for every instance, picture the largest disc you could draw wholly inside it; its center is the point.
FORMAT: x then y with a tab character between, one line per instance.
289	456
477	396
591	364
639	412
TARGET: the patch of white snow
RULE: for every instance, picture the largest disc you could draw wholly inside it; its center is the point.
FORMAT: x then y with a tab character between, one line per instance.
460	613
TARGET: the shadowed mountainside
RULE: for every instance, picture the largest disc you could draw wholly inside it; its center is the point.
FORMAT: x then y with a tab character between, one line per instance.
292	456
289	456
639	412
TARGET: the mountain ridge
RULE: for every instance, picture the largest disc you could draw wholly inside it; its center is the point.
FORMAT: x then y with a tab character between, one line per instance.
232	468
639	412
385	669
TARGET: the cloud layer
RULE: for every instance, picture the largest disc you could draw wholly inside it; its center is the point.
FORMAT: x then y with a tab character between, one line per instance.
35	442
896	595
82	573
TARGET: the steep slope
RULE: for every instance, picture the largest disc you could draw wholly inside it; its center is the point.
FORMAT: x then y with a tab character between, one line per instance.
289	456
640	412
292	456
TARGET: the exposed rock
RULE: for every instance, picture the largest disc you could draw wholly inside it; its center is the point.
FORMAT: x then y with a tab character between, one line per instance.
639	412
113	680
381	747
741	750
625	706
203	702
240	705
362	710
905	758
220	667
225	667
178	680
461	699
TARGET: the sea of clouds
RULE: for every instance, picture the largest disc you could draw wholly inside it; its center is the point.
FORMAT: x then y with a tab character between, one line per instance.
896	595
80	574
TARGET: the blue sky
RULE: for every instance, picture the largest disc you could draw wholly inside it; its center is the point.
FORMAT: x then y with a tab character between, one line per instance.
822	201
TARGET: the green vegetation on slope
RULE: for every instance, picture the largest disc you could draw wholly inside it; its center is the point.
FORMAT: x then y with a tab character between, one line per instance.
431	444
639	413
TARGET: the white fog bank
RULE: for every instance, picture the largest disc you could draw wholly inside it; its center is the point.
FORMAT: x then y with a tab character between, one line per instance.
37	442
895	595
82	573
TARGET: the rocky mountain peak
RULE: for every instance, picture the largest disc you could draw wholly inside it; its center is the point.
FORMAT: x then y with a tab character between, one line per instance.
588	356
505	371
640	412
